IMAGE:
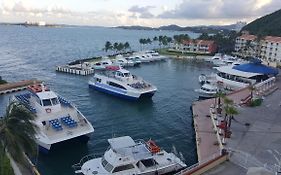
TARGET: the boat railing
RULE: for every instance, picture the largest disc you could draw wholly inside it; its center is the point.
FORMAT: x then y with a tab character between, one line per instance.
84	159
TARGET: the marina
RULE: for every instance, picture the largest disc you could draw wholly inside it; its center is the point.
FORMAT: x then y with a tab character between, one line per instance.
191	141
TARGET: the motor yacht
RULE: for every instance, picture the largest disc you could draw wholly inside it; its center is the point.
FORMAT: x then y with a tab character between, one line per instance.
128	157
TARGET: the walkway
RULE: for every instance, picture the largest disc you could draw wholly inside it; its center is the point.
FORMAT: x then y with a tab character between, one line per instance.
206	139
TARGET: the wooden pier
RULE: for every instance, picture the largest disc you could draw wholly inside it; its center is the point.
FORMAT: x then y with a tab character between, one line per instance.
16	86
75	70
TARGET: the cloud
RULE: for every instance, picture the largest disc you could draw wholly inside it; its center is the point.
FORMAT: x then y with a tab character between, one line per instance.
142	12
221	9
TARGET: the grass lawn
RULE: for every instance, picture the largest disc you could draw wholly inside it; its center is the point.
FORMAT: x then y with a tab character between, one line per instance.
165	51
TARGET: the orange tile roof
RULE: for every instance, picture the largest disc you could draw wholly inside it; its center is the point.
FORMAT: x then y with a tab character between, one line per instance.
273	39
248	37
200	42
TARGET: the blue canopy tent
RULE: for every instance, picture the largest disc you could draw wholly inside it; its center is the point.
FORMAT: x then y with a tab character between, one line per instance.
256	67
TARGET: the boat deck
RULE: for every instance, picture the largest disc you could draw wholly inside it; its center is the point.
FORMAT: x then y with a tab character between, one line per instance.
54	135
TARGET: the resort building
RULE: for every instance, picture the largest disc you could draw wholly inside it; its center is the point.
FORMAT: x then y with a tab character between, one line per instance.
195	46
271	49
267	48
246	45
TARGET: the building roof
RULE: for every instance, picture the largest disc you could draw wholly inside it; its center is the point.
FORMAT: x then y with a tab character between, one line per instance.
231	71
274	39
248	37
200	42
256	67
121	142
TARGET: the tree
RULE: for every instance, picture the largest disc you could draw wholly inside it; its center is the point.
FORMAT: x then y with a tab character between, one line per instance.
252	88
142	42
219	95
108	46
127	46
231	110
115	46
17	132
204	36
120	47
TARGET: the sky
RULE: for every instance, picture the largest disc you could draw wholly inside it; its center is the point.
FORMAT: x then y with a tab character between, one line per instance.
152	13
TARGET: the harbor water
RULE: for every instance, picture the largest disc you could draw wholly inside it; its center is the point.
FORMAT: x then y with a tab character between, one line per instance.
32	52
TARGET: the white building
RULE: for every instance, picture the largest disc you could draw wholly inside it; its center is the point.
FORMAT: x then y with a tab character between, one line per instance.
268	48
243	40
271	49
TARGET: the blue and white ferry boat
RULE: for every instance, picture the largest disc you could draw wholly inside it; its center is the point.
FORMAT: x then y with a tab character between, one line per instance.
58	120
121	83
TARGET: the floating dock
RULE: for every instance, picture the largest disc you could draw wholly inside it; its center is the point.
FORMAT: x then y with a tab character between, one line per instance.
16	86
75	69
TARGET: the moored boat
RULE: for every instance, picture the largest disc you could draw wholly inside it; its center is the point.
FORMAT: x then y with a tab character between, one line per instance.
57	119
207	90
128	157
121	83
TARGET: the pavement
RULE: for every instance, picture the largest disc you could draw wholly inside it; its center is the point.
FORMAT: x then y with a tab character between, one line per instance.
259	142
226	168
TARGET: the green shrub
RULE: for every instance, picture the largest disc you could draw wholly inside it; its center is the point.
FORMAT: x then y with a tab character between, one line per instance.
256	102
3	81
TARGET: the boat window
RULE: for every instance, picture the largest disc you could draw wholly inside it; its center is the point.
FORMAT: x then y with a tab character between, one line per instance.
149	162
116	85
127	74
54	101
98	80
107	166
47	102
123	168
98	64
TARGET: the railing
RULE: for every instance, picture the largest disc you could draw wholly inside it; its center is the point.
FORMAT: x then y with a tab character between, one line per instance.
86	158
247	160
212	157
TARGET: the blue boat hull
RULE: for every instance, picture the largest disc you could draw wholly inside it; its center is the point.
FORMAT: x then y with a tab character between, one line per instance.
114	93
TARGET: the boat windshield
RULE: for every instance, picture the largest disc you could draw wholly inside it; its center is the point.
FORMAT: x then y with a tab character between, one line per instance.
55	101
127	74
107	166
47	102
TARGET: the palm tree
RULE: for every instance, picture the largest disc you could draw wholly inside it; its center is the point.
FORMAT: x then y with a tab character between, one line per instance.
107	46
252	88
231	112
127	46
219	95
115	46
17	132
141	41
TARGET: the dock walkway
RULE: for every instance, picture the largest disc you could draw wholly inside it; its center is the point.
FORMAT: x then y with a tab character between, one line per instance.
16	86
206	137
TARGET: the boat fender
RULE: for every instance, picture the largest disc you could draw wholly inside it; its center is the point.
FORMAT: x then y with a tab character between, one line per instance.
48	110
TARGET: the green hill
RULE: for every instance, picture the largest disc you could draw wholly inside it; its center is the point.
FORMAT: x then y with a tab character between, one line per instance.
266	25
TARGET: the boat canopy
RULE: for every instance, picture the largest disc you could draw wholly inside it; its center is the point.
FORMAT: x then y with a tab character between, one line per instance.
231	71
113	68
256	67
121	142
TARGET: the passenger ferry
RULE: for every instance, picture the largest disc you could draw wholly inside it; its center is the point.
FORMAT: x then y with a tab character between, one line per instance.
121	83
58	120
128	157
